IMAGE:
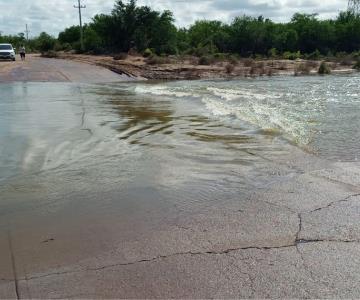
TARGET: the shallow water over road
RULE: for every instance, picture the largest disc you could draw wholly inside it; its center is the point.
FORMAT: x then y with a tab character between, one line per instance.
122	136
130	175
165	135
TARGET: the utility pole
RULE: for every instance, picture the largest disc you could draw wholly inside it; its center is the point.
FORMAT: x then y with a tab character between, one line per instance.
80	7
27	31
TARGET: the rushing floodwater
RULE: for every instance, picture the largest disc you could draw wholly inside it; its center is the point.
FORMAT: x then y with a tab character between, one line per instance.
194	140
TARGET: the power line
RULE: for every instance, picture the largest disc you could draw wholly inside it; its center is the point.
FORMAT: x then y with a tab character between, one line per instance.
80	7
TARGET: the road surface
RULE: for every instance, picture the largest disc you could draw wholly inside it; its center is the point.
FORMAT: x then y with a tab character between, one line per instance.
36	69
294	238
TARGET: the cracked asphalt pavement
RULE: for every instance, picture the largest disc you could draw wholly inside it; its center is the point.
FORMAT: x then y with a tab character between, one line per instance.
298	238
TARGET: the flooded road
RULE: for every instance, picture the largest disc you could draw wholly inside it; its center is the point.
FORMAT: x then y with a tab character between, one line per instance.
167	188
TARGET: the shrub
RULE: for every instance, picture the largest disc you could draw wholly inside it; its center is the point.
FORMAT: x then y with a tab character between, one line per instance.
356	55
148	53
258	56
45	42
273	53
121	56
233	60
50	54
248	62
292	55
314	55
58	46
219	56
92	41
157	60
302	69
324	69
229	68
206	60
347	61
357	65
66	47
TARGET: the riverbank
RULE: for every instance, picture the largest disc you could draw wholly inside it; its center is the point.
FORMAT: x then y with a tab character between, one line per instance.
184	68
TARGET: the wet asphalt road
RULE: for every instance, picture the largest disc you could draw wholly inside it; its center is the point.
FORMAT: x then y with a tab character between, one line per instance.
298	237
36	69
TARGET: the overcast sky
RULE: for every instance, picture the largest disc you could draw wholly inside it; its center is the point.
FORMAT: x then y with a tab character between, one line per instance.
53	16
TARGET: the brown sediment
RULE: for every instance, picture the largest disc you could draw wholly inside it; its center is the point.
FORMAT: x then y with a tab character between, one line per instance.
187	68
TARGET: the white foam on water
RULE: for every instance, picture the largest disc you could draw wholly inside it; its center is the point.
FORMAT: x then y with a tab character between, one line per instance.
161	90
266	112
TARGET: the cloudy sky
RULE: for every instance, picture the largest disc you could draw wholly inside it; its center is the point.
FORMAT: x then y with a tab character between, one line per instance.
54	15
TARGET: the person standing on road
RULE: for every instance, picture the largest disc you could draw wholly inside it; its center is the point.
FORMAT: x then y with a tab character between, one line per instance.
22	52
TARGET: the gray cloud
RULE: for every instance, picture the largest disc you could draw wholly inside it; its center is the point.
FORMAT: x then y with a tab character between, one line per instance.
53	16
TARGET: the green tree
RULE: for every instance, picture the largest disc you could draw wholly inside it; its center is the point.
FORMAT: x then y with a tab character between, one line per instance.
45	42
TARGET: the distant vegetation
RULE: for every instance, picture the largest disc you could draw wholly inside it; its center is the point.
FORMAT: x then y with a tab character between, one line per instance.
153	33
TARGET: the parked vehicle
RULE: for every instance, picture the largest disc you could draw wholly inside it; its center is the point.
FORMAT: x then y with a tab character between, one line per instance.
7	52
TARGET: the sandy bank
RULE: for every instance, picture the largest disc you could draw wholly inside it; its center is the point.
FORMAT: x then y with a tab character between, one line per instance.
138	67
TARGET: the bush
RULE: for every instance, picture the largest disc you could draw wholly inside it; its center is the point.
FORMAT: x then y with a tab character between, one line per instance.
292	55
58	46
356	55
229	68
206	60
357	65
92	41
273	53
157	60
219	56
316	55
324	69
45	42
50	54
248	62
347	61
302	69
148	53
121	56
66	47
203	50
233	60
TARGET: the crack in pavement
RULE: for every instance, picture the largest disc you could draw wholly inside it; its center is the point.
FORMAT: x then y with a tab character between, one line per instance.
13	265
160	257
348	198
296	243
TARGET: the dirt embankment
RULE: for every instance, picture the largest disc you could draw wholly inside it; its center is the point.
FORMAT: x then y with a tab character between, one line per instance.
189	68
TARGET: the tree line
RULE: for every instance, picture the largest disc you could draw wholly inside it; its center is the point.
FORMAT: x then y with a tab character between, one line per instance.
130	26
